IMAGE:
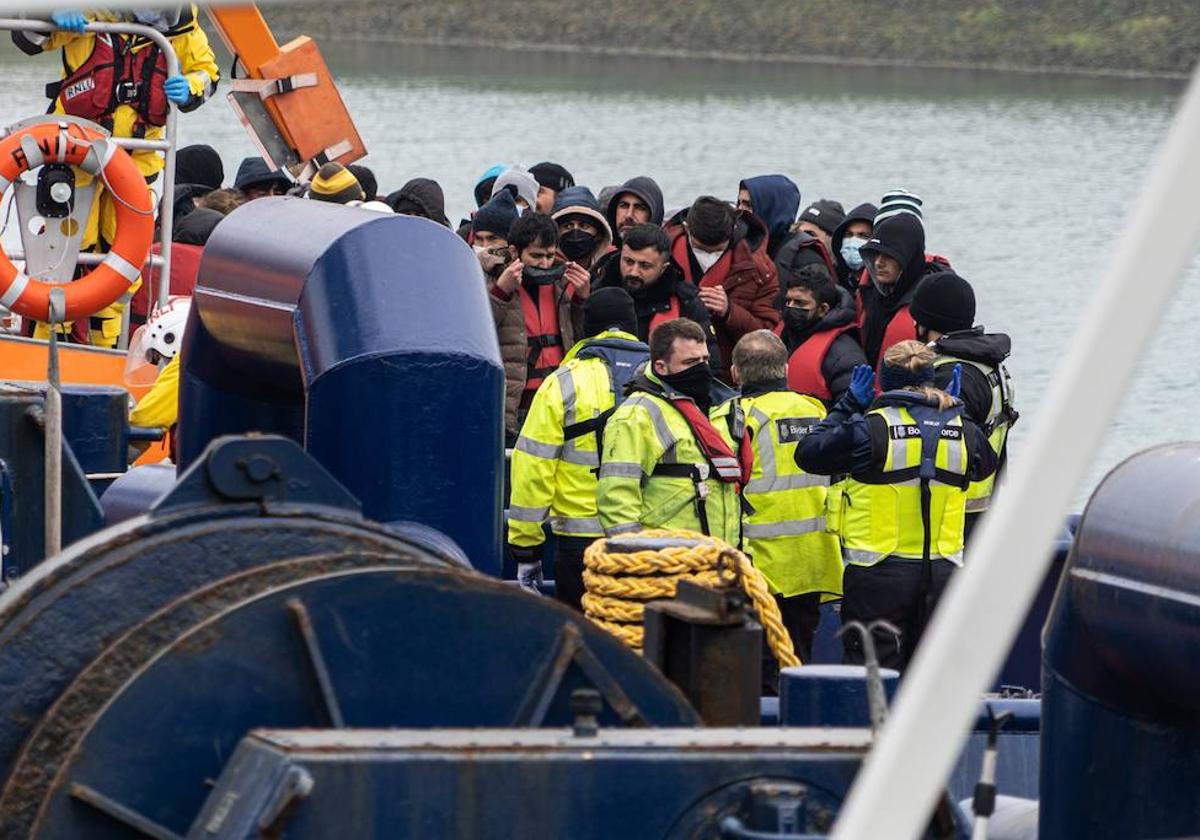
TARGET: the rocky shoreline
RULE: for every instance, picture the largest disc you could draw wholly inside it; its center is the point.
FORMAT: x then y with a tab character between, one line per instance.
1159	38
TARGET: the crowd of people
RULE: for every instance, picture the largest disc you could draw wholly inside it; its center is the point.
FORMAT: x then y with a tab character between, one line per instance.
806	383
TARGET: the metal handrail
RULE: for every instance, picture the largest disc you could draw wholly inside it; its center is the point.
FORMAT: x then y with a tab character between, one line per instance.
166	202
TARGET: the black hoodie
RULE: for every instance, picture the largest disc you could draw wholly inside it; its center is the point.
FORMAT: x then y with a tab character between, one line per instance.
846	275
844	354
902	238
423	197
644	188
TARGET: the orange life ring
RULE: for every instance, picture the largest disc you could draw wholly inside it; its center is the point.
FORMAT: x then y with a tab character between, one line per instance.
93	152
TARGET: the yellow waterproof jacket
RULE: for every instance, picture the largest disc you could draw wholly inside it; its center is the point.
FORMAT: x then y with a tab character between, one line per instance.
196	61
784	528
555	459
160	407
884	514
995	425
646	432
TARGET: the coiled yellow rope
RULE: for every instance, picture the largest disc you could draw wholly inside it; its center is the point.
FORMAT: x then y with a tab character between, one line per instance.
619	585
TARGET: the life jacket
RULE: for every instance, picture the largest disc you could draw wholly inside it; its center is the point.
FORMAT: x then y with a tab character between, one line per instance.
1000	418
715	276
670	314
804	365
624	359
115	74
913	505
901	327
542	334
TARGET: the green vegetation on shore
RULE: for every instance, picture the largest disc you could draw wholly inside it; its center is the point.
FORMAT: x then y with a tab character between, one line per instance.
1118	36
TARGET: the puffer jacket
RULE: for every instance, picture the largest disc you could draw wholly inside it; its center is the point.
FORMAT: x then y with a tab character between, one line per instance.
745	271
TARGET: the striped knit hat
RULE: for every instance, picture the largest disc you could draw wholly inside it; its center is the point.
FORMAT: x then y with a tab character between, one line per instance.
897	201
335	183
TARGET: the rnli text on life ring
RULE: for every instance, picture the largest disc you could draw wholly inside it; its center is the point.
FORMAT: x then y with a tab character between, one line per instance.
92	152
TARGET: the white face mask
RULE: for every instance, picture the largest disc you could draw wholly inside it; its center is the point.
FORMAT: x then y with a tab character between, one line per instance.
707	259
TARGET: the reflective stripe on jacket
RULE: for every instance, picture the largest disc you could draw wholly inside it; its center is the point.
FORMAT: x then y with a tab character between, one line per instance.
643	433
784	529
995	425
552	477
883	514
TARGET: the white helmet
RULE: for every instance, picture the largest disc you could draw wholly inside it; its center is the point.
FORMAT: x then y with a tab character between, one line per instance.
164	327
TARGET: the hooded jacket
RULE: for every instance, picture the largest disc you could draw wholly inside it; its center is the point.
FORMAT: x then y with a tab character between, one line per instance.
844	353
845	275
745	271
657	299
902	238
973	345
426	195
579	201
644	188
800	250
776	200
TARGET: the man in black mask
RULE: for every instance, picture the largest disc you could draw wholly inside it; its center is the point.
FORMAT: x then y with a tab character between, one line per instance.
644	268
583	233
676	433
819	333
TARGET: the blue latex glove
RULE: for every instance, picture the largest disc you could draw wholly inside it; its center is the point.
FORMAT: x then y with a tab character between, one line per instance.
71	20
178	89
862	386
954	388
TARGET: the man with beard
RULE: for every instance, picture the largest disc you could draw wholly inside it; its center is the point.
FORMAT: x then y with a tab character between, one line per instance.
774	199
819	333
670	457
552	179
895	261
644	268
583	233
723	252
638	201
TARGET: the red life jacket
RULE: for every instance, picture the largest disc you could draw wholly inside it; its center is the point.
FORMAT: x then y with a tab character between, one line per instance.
671	314
715	276
804	365
726	464
115	74
542	335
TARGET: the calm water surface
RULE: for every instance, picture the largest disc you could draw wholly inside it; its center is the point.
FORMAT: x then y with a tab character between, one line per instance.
1026	179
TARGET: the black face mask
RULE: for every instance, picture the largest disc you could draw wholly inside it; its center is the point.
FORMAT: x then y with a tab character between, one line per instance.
692	382
799	320
577	244
542	276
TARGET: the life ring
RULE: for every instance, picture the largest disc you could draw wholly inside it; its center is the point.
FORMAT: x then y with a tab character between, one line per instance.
95	153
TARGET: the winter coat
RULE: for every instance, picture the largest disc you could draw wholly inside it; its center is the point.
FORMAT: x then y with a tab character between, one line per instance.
844	353
776	200
799	250
973	345
745	271
845	275
657	299
514	346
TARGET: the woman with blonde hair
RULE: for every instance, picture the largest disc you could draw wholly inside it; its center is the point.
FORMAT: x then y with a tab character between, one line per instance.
909	455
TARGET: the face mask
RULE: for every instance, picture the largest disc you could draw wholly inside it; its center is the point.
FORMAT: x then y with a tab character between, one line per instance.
692	382
707	259
799	320
850	252
542	276
489	260
577	244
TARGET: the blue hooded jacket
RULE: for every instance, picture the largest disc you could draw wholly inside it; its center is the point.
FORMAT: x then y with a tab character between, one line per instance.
776	200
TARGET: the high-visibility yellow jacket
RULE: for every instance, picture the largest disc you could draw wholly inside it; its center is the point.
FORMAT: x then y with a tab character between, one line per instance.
160	407
784	528
919	490
995	425
553	468
647	432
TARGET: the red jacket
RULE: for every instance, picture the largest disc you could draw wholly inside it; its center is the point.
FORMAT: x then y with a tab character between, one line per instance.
185	265
745	271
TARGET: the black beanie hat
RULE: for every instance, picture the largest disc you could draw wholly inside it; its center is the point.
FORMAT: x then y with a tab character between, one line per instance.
944	302
497	216
200	165
825	214
552	176
606	308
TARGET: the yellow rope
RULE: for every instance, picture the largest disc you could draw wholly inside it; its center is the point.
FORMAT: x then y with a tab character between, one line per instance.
618	585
